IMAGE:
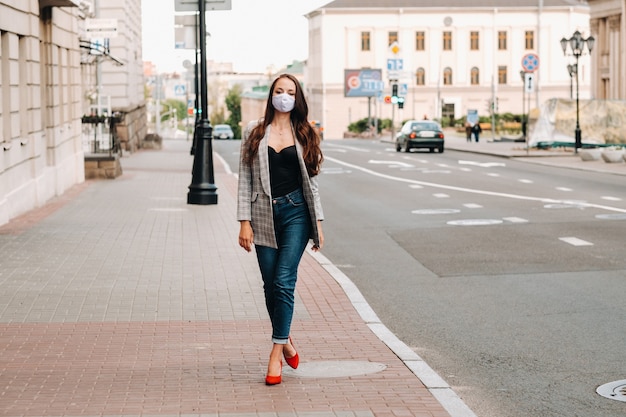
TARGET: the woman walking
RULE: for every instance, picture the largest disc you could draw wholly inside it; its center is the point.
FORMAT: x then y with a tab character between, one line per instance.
279	207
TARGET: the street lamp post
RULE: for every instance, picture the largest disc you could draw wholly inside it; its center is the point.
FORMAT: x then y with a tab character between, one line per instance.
577	45
202	189
522	74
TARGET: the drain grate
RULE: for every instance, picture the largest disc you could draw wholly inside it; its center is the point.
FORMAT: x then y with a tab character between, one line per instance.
613	390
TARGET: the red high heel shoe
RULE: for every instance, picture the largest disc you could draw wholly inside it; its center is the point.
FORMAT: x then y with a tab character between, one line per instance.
294	361
274	380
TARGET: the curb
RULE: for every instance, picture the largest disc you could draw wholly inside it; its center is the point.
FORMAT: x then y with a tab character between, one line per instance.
436	385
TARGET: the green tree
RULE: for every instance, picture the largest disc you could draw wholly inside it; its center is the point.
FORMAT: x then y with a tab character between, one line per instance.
233	104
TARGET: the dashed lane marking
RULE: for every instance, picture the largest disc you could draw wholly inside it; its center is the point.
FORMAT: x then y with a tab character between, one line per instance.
574	241
515	220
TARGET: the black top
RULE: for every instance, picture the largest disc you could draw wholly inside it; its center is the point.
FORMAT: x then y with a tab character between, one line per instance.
285	174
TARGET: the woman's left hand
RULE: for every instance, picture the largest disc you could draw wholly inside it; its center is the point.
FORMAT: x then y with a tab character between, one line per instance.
320	233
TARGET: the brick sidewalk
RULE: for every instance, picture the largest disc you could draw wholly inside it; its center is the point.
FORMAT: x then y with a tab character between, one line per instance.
121	299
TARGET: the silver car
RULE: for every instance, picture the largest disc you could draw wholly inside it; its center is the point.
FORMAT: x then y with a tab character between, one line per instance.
223	132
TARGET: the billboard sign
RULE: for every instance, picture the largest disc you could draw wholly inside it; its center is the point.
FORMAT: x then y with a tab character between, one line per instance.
363	82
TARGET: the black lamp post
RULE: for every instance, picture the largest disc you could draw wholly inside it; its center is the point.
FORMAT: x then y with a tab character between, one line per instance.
577	45
571	68
522	74
202	189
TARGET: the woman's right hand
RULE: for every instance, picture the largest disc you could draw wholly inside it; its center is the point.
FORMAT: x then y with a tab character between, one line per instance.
246	235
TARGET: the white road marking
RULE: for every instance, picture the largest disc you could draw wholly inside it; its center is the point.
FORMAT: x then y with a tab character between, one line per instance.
483	164
333	170
436	211
526	181
474	222
563	189
574	241
472	206
352	148
515	219
415	186
493	174
392	163
441	195
609	198
466	190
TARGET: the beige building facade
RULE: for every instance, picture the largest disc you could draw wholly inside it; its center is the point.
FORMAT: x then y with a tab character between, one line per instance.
608	27
455	56
49	79
41	103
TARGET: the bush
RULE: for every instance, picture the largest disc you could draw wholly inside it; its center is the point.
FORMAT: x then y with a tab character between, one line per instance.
361	126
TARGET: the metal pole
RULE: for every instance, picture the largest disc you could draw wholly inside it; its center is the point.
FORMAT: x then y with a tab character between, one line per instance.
578	137
202	189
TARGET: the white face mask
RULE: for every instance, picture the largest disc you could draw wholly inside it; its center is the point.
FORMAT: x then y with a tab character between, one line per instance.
283	102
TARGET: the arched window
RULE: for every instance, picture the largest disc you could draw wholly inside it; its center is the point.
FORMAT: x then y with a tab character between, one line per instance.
420	76
447	76
475	76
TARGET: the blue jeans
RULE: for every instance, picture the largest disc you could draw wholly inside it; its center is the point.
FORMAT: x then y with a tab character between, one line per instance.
279	267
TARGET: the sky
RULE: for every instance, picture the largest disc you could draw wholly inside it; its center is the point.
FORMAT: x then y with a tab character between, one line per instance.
253	36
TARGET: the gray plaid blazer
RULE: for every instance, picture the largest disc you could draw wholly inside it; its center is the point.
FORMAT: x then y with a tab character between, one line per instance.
254	196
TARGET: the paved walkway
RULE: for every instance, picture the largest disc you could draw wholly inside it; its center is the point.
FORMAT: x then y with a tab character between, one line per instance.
119	299
561	157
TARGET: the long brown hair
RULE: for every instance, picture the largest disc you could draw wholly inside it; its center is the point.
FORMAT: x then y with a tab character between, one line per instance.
305	134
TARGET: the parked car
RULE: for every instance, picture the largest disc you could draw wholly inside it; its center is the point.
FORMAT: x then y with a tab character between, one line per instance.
420	134
223	132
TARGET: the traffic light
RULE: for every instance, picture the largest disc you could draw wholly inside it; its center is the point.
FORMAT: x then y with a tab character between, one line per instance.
400	102
394	90
388	99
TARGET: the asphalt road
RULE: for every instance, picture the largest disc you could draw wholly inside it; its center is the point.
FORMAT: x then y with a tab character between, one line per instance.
508	278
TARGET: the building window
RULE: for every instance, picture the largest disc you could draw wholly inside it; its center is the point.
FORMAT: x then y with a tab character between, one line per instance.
365	41
5	83
447	41
502	40
393	37
420	76
474	38
529	39
475	76
502	75
420	41
447	76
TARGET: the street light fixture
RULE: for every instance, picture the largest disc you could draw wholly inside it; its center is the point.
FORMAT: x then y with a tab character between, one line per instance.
577	46
571	69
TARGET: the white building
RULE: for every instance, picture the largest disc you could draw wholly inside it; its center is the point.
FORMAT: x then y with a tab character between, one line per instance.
608	26
456	55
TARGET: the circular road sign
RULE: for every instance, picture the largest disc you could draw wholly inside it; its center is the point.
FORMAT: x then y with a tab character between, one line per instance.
530	62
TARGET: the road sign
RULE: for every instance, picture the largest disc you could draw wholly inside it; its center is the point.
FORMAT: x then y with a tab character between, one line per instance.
192	5
403	90
101	28
530	62
396	64
180	90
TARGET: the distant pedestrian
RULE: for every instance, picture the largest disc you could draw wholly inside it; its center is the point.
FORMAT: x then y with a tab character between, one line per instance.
278	206
476	130
468	131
